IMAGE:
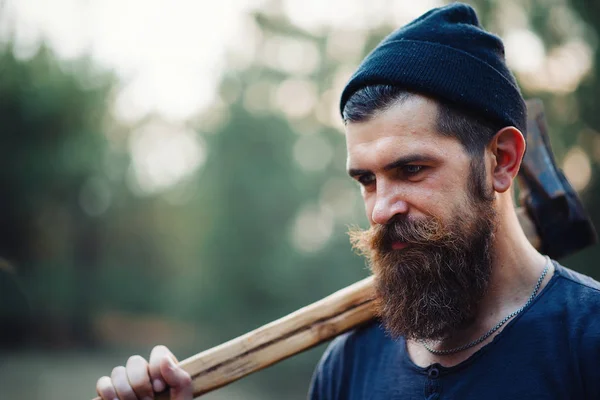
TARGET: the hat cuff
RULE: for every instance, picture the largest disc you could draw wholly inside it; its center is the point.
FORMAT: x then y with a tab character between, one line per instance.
445	72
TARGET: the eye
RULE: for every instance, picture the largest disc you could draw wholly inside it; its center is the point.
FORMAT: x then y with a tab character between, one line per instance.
366	179
412	169
411	172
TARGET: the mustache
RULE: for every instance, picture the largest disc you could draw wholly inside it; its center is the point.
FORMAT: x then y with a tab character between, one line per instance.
423	231
432	287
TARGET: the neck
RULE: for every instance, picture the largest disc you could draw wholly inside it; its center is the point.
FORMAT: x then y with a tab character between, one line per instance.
516	268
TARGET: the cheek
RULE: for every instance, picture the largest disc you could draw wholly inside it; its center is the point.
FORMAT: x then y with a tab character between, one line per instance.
439	197
455	205
426	203
369	204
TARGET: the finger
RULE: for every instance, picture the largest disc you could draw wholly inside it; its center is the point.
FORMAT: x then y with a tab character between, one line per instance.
121	384
105	389
139	377
157	354
179	380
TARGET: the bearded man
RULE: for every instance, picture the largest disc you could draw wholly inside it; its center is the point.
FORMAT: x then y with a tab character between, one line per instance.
435	126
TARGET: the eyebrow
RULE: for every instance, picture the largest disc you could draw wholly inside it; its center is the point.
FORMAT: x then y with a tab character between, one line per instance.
400	162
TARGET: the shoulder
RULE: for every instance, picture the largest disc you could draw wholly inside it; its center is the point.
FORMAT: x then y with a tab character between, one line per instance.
578	292
582	282
345	353
361	340
359	344
575	306
575	296
579	297
568	305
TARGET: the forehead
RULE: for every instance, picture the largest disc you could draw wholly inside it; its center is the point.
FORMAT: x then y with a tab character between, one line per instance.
407	127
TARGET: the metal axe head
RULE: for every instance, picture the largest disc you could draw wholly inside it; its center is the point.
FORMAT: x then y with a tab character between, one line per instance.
552	204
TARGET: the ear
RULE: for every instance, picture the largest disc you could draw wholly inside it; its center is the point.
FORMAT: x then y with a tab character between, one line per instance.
507	148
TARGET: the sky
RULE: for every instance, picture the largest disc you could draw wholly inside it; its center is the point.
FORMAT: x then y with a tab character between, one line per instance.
169	54
165	53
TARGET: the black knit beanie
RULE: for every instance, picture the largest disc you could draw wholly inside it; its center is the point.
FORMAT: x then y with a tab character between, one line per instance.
446	54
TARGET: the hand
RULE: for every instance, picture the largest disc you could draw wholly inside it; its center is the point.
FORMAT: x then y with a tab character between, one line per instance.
140	380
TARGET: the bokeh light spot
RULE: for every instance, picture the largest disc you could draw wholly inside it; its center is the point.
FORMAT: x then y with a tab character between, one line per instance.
577	168
312	228
296	98
312	152
162	155
524	50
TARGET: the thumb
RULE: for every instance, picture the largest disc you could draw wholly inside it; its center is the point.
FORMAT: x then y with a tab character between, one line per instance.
179	381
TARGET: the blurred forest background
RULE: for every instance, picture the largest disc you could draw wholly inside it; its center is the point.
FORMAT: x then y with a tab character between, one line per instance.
127	223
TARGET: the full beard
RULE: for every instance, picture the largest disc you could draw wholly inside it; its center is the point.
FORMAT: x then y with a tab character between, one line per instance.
433	287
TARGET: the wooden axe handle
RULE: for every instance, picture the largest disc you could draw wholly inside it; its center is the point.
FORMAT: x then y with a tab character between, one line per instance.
292	334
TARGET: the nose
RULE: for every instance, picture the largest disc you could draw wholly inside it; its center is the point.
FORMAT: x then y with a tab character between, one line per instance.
388	204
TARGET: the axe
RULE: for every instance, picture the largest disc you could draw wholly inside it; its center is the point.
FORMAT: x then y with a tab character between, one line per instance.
551	215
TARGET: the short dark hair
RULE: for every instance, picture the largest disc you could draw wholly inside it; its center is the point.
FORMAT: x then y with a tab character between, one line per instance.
472	131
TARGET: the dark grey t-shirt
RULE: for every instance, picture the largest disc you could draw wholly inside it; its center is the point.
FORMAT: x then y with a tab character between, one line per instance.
549	351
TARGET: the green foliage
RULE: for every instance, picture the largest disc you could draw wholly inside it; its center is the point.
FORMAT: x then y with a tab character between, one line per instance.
52	143
228	259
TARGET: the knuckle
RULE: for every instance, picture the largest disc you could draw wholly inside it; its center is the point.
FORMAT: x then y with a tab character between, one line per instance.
118	370
160	348
158	352
140	381
143	391
102	381
186	379
103	384
124	390
136	359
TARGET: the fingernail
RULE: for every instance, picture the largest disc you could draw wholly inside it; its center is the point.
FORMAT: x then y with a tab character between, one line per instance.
158	385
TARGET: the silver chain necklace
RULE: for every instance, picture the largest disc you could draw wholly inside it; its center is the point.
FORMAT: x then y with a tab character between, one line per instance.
497	326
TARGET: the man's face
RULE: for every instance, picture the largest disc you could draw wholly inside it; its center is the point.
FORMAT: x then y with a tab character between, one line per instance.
430	240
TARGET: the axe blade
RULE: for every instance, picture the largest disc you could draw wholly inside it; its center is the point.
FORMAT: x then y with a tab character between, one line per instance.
551	202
